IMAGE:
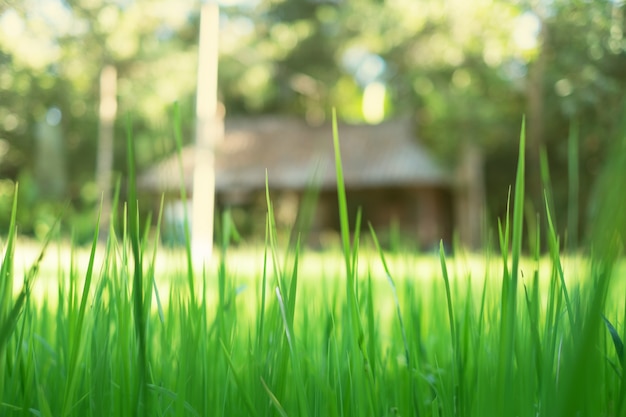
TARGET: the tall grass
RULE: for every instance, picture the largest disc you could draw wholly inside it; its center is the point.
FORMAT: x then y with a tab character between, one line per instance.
357	333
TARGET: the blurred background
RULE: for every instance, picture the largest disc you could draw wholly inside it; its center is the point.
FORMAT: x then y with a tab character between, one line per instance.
462	73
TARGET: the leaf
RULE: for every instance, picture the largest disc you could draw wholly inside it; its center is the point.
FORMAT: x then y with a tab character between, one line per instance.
617	341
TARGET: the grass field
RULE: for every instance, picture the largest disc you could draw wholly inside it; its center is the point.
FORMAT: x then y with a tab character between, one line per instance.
126	330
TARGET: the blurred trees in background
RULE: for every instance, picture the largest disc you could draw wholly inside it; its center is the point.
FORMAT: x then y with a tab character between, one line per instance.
465	70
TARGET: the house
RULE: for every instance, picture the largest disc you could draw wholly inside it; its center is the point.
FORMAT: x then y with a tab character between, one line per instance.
396	182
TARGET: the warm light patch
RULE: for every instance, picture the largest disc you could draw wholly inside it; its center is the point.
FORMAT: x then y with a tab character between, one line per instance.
526	31
374	102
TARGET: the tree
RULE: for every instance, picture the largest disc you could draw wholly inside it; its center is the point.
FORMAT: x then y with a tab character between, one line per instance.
53	56
104	156
208	131
462	67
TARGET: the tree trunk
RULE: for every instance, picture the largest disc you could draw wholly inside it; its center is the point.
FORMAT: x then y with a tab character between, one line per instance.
207	133
104	161
470	198
50	164
534	138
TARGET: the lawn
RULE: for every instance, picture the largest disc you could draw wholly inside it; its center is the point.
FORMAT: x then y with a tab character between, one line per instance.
130	329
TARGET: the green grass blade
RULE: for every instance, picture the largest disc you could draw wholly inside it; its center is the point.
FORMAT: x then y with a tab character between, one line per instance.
293	287
178	137
617	340
405	341
372	351
518	215
6	270
344	221
573	187
544	167
7	311
394	291
115	204
261	322
138	286
239	381
446	280
273	239
553	245
504	238
354	259
274	400
174	396
509	294
77	339
152	269
454	337
10	321
295	358
587	361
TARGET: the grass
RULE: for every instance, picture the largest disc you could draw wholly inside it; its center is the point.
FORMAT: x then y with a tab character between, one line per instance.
360	332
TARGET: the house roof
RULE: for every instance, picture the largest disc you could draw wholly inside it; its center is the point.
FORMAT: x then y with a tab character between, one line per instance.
296	154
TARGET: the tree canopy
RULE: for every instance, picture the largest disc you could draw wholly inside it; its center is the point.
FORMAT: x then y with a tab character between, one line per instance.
464	70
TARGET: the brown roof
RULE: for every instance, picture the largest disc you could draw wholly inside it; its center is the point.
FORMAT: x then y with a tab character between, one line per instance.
294	153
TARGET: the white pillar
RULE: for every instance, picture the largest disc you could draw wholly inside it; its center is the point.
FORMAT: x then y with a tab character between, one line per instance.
207	131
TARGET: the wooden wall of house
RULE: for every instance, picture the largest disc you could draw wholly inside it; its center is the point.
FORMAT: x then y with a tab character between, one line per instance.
421	215
434	217
470	196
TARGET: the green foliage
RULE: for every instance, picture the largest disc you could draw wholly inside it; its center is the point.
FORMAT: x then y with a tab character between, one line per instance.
464	71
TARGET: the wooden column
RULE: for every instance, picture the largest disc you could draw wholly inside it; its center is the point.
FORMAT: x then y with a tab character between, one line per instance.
470	196
207	132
